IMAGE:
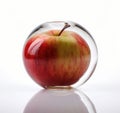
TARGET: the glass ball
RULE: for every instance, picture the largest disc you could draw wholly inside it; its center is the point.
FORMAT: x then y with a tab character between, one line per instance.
60	54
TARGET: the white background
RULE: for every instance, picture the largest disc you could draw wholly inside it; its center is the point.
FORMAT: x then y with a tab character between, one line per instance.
19	17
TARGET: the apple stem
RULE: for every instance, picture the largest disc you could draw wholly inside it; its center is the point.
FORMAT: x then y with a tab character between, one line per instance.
66	26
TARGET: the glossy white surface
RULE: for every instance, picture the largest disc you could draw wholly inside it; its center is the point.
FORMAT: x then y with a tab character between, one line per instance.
87	99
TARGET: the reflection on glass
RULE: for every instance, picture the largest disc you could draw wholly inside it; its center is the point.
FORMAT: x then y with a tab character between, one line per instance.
60	101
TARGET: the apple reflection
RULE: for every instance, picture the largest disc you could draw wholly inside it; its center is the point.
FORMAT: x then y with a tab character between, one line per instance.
60	101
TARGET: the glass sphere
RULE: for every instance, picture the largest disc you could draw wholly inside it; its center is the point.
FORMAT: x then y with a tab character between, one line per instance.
60	54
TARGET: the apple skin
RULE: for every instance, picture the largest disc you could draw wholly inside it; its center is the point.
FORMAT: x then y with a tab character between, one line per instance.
53	60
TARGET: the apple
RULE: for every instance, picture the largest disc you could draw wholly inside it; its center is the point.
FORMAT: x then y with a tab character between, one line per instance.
56	57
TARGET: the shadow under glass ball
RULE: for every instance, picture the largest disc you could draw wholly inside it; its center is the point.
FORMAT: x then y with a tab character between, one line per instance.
60	101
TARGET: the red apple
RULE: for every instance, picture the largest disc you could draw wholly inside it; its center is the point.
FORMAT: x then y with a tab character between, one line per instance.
56	57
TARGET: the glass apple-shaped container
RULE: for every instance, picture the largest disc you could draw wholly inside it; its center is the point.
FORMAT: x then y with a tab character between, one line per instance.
60	54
